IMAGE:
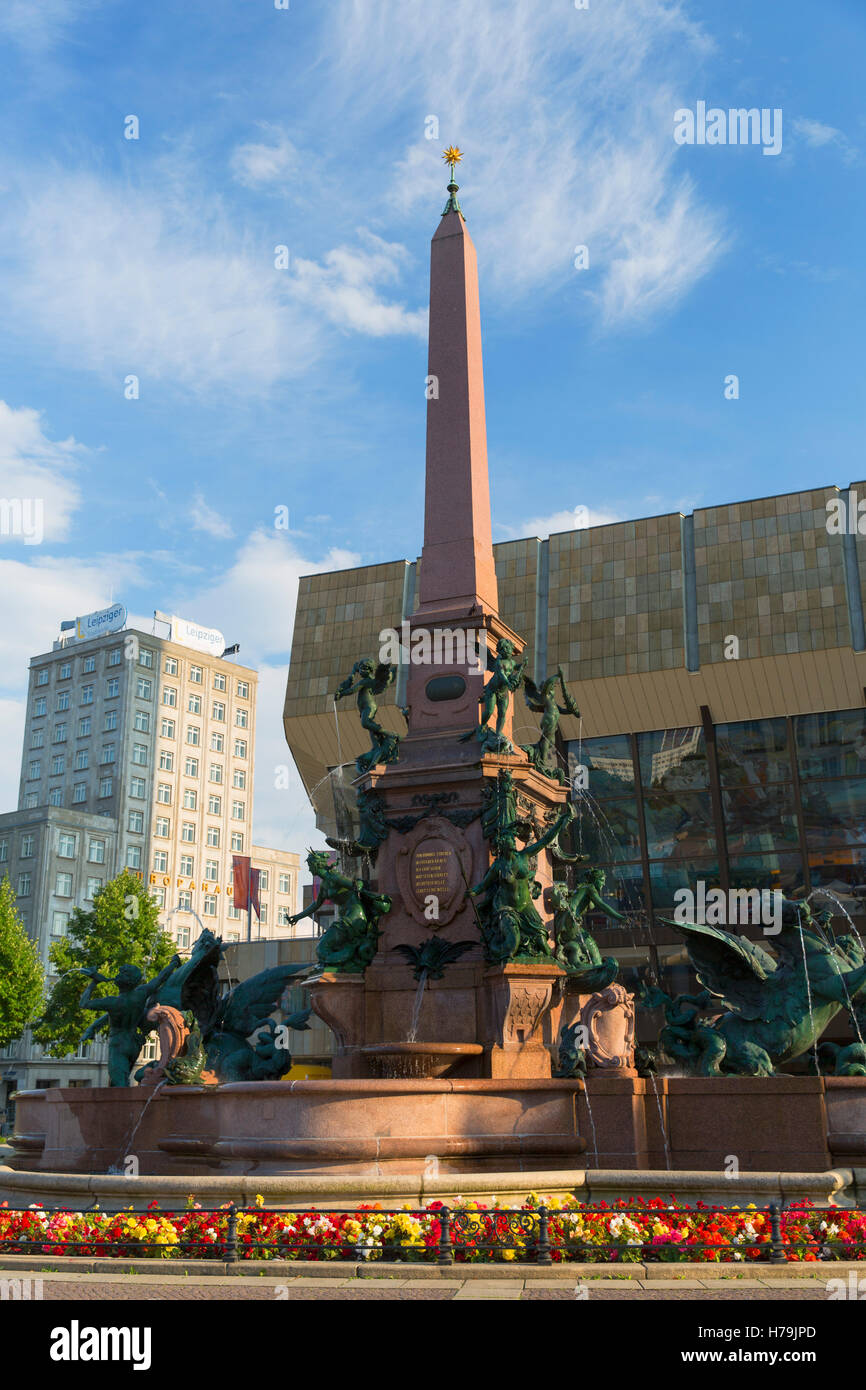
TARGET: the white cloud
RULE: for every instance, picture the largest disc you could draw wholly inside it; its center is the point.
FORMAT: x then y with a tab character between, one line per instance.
566	120
817	135
12	715
204	518
344	288
254	163
39	25
577	519
38	469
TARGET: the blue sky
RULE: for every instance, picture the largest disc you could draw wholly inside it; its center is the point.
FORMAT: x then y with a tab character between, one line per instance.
304	387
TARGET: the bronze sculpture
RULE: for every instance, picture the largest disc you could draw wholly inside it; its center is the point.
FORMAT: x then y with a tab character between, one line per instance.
371	681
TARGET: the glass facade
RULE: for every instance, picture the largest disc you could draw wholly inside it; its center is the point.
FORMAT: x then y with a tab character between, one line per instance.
765	803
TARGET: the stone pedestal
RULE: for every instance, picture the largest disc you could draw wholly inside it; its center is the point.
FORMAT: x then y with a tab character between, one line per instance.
516	1026
338	1000
608	1018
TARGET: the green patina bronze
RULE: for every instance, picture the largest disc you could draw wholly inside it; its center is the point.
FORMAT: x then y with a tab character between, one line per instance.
571	1064
576	949
508	676
774	1007
431	959
542	700
351	943
123	1014
371	681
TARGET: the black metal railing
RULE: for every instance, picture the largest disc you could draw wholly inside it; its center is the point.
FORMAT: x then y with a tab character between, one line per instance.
538	1235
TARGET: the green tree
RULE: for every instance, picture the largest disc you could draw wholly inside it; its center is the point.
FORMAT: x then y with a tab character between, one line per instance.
22	982
122	928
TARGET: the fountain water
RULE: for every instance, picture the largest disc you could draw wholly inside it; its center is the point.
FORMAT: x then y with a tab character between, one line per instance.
412	1034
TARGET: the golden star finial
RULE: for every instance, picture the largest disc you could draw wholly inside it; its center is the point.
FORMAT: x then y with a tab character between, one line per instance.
452	156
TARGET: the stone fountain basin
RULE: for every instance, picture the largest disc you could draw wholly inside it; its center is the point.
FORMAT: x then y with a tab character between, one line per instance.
399	1061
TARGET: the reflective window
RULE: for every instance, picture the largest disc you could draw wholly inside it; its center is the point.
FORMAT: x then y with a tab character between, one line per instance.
832	744
673	759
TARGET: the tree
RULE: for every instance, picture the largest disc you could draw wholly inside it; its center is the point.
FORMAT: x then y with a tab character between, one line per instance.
22	982
122	928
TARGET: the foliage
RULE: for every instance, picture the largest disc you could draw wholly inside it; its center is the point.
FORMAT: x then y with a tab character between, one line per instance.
122	928
21	977
632	1231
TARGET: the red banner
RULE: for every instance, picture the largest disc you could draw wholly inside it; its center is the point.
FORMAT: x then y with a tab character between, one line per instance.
254	890
241	881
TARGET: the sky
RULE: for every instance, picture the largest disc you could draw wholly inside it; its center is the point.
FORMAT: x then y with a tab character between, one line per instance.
224	316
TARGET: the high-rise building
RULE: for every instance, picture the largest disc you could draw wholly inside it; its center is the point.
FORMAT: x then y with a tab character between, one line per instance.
139	754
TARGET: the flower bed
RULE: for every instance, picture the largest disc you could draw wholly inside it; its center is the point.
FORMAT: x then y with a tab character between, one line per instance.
548	1230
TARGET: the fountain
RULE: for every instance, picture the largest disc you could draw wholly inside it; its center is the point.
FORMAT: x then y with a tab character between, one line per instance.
459	829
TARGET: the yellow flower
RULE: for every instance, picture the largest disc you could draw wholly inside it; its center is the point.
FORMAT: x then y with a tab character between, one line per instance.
260	1201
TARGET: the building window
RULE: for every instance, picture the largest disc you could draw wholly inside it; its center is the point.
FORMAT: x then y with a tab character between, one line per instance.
184	901
96	851
169	695
66	845
112	687
28	845
234	913
190	799
284	883
65	671
34	770
163	793
136	822
158	895
217	742
63	700
210	905
160	861
190	767
213	836
139	754
87	694
263	913
242	718
4	851
23	889
219	711
138	787
219	680
39	705
195	674
55	797
114	656
145	657
216	772
239	810
239	779
193	735
110	721
214	805
38	739
30	801
108	754
133	856
243	690
166	728
142	721
187	831
211	870
182	933
89	665
264	879
166	760
237	842
63	886
93	887
58	765
59	733
187	866
283	916
82	760
163	827
194	706
42	676
84	726
240	748
79	793
106	787
170	667
59	923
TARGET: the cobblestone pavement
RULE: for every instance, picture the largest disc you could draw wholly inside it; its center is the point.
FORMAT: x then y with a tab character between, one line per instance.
109	1287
